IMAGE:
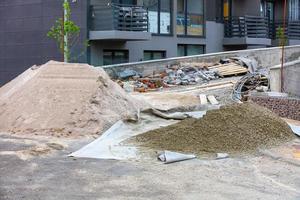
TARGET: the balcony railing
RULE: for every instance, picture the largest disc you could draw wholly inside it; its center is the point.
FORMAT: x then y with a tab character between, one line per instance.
292	29
259	27
118	17
246	26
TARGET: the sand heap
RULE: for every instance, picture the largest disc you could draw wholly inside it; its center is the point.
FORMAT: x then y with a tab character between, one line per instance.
63	99
232	129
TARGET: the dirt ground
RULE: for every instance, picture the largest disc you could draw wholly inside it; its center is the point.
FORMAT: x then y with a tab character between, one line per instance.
187	97
274	174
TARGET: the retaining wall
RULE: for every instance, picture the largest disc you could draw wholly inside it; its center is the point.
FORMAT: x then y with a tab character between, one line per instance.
266	57
291	75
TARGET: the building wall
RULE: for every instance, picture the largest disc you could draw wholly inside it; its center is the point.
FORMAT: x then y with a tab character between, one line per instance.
213	40
245	7
23	33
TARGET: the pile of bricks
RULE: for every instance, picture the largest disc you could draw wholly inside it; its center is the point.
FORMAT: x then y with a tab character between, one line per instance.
284	107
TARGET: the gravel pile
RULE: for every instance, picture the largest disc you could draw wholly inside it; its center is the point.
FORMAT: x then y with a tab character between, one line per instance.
284	107
238	128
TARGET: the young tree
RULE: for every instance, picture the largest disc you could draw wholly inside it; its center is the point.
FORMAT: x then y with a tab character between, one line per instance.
65	32
280	35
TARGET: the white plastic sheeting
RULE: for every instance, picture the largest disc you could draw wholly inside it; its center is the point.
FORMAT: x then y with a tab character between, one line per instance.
171	157
295	129
109	145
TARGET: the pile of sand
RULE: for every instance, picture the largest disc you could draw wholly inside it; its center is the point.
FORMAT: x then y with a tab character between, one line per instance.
63	99
232	129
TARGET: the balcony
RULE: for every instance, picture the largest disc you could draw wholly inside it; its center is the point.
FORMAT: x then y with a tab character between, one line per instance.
247	30
251	30
292	32
118	22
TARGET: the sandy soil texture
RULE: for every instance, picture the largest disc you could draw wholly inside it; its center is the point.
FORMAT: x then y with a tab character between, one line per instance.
63	100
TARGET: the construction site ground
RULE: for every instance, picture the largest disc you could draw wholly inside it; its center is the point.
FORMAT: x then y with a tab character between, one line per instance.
38	168
35	164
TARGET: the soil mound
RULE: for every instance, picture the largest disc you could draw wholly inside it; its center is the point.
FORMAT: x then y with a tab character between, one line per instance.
232	129
63	99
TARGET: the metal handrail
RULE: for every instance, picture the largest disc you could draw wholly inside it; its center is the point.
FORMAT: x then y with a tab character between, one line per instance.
123	17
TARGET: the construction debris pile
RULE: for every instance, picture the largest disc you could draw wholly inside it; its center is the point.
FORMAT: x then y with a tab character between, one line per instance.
180	74
63	100
236	128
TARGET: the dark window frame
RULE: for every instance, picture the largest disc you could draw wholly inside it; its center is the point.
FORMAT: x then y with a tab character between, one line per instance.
185	46
155	51
185	6
113	55
158	19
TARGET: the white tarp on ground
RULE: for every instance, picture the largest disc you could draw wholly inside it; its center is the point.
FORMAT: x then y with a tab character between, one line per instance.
170	157
106	147
295	129
109	145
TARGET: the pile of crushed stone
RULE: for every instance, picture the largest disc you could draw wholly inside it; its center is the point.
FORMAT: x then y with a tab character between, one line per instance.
63	100
237	128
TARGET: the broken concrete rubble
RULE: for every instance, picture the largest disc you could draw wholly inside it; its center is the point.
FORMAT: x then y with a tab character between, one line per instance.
181	74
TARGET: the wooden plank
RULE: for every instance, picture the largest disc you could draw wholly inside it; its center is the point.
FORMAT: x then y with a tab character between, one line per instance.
203	99
232	67
233	74
212	99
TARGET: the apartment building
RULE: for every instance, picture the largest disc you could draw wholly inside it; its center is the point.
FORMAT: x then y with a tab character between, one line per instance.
136	30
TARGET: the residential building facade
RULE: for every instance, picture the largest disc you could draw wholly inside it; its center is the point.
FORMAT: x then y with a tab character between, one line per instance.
122	31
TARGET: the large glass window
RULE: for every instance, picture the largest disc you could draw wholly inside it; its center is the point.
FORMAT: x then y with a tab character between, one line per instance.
165	16
267	9
115	57
159	14
294	8
190	17
190	49
154	55
152	6
180	17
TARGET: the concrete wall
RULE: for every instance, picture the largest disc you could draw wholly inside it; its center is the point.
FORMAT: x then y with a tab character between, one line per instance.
266	57
23	33
291	77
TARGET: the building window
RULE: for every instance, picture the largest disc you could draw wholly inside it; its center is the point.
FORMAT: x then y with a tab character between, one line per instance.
267	10
294	8
190	17
159	14
154	55
115	57
190	49
125	2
